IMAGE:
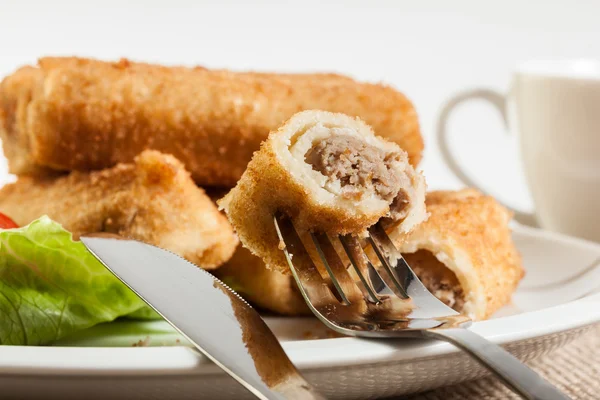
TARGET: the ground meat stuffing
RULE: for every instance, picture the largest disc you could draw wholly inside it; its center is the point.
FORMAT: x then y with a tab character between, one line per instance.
437	278
399	206
357	165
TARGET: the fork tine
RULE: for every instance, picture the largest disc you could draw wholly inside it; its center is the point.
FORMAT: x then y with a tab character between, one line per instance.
340	277
377	241
309	280
428	304
359	261
379	284
396	266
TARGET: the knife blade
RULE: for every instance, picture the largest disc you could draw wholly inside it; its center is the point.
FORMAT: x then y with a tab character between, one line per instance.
206	312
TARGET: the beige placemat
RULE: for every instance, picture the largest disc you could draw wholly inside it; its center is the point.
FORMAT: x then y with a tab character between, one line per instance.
575	369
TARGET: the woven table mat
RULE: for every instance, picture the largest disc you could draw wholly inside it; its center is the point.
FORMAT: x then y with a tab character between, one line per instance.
574	368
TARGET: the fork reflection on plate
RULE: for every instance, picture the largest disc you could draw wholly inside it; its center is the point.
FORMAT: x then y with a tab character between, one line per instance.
389	301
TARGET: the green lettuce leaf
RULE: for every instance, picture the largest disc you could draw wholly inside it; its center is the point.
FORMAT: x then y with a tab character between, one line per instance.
51	286
125	333
144	313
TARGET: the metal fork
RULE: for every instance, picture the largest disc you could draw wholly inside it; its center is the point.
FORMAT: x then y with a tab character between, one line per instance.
389	301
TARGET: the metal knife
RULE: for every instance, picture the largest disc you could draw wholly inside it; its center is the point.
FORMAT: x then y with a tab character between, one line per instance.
206	312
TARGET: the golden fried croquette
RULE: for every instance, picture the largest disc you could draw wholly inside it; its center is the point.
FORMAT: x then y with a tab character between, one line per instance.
83	114
464	252
153	200
15	95
266	288
328	173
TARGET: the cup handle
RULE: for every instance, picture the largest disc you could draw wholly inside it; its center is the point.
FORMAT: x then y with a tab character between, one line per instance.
498	100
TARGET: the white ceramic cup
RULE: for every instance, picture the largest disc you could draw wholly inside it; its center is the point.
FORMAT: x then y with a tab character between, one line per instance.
557	110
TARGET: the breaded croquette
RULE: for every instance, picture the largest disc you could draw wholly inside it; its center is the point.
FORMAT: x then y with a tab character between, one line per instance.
328	173
82	114
266	288
464	252
153	200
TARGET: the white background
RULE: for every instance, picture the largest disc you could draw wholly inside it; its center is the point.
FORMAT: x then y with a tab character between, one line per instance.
430	50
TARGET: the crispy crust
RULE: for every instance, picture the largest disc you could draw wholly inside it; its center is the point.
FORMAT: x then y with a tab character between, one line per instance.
265	288
85	114
278	181
469	233
153	200
15	94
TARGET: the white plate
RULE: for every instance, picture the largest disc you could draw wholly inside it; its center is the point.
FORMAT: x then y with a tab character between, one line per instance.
556	302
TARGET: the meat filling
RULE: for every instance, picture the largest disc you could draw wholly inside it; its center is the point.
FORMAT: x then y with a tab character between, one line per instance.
361	168
437	278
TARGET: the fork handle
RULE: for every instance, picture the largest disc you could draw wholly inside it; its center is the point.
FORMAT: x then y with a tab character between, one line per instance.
516	375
